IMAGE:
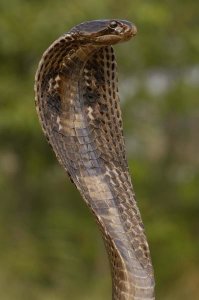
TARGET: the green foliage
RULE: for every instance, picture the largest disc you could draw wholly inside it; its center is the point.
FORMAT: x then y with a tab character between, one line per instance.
50	246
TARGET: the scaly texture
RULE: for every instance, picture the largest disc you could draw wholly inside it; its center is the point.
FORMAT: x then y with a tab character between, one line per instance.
78	106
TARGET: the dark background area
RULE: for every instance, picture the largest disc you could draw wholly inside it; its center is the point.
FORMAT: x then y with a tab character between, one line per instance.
50	247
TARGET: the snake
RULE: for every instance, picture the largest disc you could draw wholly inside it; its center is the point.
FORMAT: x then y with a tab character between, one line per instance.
78	104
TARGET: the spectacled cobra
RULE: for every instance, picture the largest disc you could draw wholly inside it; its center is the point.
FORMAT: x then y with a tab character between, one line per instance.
78	106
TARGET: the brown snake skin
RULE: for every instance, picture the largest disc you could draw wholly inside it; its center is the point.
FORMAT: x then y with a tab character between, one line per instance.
78	106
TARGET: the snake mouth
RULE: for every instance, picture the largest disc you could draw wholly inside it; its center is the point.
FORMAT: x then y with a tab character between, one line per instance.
120	34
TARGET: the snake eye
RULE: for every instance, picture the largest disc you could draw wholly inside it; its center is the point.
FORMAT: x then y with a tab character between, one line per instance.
113	24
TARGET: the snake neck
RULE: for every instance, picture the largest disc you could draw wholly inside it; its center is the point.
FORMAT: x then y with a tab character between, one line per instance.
78	106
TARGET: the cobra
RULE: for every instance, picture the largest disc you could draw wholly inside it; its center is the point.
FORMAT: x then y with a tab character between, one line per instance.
78	105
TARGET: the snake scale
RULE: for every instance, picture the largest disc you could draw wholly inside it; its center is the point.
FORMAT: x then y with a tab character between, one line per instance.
77	102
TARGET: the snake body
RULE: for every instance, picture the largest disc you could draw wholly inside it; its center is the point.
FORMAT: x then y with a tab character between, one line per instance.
77	102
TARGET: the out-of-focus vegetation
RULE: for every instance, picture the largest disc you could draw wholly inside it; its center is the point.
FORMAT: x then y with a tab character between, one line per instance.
50	246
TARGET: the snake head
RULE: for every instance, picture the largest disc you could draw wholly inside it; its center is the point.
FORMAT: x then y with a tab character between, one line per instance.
105	32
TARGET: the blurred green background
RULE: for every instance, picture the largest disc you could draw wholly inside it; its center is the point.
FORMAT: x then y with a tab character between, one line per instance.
50	247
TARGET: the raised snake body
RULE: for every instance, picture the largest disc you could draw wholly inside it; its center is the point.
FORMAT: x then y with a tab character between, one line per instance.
78	106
